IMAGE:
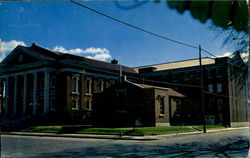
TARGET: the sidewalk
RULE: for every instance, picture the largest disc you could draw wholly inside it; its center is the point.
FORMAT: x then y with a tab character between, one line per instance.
123	137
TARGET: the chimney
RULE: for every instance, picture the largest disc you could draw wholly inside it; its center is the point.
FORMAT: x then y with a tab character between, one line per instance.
114	61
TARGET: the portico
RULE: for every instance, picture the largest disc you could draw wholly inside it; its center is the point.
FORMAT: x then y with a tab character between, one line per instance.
27	93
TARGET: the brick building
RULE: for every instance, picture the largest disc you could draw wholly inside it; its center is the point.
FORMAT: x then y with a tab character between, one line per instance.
127	102
224	90
36	81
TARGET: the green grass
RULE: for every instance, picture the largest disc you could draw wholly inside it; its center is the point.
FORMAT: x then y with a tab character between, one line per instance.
47	129
209	126
123	131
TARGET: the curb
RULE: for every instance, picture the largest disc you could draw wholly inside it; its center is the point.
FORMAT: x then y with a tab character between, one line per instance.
117	137
79	136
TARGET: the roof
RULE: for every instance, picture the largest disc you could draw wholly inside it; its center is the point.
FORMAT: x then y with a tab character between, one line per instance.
74	59
178	64
171	92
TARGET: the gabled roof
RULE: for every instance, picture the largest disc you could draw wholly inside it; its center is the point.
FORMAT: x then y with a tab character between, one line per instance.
67	59
171	92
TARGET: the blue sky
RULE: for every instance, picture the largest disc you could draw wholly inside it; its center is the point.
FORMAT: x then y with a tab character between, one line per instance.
67	27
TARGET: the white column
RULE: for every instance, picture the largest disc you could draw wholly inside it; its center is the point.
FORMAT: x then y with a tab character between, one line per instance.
35	93
6	99
46	91
15	96
24	93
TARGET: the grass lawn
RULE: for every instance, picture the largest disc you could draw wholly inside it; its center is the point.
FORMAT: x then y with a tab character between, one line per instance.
117	131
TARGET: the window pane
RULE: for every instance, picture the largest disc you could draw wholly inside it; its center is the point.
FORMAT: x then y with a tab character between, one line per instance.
210	88
219	87
162	105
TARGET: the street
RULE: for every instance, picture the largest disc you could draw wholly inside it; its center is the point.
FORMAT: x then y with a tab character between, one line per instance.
221	144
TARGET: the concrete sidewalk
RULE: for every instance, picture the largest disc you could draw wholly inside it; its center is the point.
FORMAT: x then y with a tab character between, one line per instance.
122	137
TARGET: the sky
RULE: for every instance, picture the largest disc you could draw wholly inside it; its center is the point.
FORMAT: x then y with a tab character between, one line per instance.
66	27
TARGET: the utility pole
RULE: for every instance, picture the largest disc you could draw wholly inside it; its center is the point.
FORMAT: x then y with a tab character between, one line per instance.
202	93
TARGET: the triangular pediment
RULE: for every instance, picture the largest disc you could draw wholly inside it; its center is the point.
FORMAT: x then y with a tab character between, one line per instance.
20	56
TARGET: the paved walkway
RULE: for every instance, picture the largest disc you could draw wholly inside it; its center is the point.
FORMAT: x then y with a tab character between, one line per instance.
123	137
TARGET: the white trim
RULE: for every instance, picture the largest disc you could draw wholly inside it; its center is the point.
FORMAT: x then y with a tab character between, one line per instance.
77	104
24	93
75	84
89	86
46	91
28	72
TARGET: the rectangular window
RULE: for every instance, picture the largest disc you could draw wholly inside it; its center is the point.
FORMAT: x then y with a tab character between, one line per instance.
210	74
121	92
101	86
218	73
210	88
52	103
89	86
220	104
75	79
75	104
187	76
162	105
219	87
88	104
53	81
198	75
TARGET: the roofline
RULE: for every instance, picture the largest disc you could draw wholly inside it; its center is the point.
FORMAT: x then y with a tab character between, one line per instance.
173	62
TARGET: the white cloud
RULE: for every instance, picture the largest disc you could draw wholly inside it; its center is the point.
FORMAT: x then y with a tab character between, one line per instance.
102	57
102	54
227	54
244	55
7	46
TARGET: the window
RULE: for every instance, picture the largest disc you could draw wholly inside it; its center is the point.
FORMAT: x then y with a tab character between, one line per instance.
218	73
198	75
53	81
20	58
220	104
210	88
101	86
162	105
187	76
209	73
89	86
75	79
121	92
88	104
52	103
75	104
219	87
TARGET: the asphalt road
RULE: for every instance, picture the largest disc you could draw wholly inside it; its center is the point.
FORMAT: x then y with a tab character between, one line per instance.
233	144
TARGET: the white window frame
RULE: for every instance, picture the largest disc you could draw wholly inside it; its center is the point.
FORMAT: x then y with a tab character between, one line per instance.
76	107
101	85
89	86
75	86
219	87
89	107
162	111
210	88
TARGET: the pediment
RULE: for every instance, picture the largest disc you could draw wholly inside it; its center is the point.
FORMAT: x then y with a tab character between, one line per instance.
20	56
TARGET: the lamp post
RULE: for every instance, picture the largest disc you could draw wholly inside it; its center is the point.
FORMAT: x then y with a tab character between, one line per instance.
202	93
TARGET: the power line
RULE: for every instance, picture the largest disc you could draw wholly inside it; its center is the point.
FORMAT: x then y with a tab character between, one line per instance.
149	80
133	26
144	30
